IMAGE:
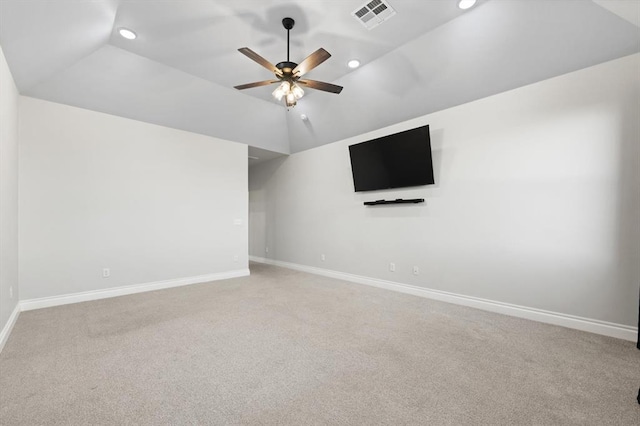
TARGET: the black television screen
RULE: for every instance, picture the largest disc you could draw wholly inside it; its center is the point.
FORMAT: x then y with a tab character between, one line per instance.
394	161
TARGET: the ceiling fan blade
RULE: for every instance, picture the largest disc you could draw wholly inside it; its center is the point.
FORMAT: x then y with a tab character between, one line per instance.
259	59
310	62
321	85
256	84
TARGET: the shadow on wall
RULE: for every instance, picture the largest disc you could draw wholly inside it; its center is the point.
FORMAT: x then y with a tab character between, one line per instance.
628	208
437	146
260	212
261	174
629	205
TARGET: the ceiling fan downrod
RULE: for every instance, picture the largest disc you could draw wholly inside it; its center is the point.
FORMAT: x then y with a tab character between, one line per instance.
288	24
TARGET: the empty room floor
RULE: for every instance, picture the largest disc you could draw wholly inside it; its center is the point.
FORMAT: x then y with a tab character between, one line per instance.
287	347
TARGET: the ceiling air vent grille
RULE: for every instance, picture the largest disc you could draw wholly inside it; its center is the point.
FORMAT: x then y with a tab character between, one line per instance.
373	13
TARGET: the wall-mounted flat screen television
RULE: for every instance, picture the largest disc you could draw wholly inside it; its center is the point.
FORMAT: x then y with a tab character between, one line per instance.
394	161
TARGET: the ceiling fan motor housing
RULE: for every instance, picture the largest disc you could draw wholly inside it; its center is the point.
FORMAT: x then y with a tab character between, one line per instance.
286	67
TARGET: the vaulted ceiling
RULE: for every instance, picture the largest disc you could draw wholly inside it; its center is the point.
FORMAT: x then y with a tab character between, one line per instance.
181	69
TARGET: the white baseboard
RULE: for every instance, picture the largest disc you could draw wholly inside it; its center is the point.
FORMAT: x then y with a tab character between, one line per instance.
85	296
6	330
619	331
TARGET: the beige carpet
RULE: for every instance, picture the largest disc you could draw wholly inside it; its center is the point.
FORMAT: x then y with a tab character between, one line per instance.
285	347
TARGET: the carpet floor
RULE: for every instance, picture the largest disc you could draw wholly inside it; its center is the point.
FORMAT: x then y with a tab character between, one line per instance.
283	347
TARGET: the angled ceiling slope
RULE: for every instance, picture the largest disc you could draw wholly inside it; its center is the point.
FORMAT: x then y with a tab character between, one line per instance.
181	69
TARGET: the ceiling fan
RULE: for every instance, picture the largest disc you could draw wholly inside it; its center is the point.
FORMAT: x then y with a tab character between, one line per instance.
288	73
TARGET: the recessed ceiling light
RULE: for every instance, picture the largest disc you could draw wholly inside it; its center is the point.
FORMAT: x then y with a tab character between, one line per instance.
127	33
466	4
354	63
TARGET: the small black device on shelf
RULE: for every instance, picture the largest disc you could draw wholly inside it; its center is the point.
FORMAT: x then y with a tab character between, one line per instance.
396	201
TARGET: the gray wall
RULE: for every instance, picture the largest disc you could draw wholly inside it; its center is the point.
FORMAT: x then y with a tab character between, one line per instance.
536	201
148	202
8	193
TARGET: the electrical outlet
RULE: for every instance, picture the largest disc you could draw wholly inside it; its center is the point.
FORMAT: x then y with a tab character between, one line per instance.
266	249
392	267
322	257
106	273
11	292
235	258
416	270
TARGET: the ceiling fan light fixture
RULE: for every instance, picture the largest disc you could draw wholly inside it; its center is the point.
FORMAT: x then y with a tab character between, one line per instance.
353	64
278	94
290	91
297	91
127	33
282	90
466	4
290	100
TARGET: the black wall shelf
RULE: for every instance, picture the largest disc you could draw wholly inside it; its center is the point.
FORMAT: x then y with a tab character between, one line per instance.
396	201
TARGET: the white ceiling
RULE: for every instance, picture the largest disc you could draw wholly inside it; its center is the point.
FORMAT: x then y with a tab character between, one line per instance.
181	70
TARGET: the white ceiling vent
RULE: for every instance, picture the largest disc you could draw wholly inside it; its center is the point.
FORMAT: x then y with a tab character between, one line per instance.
373	13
